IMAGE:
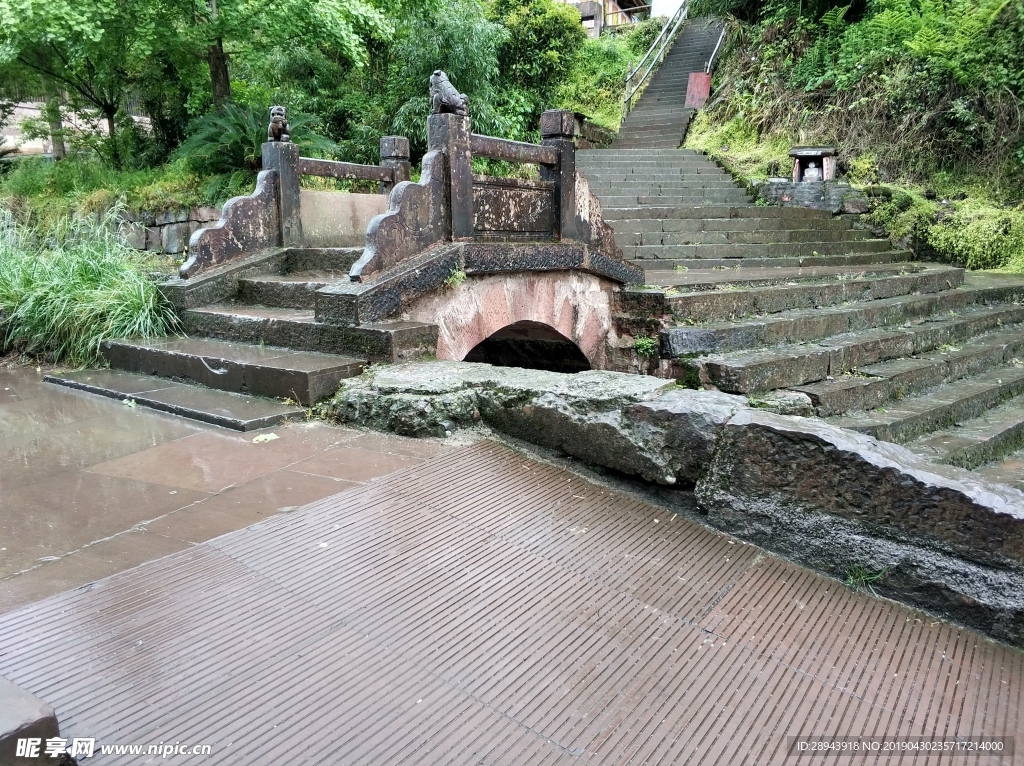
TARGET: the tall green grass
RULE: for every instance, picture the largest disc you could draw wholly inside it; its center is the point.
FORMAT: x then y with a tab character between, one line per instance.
65	289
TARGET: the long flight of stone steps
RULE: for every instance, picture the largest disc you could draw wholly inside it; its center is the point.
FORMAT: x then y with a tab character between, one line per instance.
660	118
804	312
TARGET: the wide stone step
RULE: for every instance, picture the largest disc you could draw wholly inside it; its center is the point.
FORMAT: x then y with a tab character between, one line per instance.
707	212
707	176
324	259
635	239
296	291
1009	470
639	127
716	199
876	384
841	341
301	376
706	280
298	329
640	185
706	306
235	411
588	153
940	408
782	249
729	225
847	260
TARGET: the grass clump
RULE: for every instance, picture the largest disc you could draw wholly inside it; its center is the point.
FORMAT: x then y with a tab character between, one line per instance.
66	288
859	578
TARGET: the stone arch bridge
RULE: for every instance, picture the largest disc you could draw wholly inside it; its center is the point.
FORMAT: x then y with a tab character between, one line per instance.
292	289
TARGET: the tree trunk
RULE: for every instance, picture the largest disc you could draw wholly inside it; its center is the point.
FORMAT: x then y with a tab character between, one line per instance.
219	82
115	155
53	117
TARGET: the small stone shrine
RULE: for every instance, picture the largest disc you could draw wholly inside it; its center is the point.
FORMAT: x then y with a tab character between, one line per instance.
813	163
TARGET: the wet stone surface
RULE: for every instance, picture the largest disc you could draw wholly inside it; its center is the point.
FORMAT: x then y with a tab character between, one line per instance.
90	487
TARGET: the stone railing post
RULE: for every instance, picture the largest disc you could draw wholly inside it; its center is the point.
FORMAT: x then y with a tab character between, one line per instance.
449	133
394	154
283	157
556	129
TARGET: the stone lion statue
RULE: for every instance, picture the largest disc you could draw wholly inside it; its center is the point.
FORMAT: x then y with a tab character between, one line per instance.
444	97
278	129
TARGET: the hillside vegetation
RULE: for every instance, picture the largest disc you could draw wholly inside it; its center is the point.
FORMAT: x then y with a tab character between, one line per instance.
922	98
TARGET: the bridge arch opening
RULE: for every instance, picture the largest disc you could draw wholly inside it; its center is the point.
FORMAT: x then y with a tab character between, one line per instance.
532	345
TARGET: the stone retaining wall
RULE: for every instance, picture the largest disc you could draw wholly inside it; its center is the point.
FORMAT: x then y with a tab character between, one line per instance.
834	196
824	497
166	232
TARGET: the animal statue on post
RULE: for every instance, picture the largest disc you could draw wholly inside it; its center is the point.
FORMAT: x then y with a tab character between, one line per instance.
278	129
444	98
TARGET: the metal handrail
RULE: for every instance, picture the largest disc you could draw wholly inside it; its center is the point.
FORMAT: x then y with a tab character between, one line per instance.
658	49
711	61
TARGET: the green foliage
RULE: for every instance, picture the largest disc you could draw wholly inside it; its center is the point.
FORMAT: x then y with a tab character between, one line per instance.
981	236
68	288
925	87
544	37
594	86
454	279
860	578
647	346
48	191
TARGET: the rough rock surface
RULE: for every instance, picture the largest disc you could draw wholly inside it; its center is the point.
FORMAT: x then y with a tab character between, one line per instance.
834	499
630	423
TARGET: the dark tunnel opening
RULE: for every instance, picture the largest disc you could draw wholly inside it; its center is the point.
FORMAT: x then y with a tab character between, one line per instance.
532	345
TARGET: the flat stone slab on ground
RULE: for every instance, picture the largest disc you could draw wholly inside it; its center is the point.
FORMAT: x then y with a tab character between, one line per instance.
235	411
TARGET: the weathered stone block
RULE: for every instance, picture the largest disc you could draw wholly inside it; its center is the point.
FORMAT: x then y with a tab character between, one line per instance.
338	219
174	236
23	715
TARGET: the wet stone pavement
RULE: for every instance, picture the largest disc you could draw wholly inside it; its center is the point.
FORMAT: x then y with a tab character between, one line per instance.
90	487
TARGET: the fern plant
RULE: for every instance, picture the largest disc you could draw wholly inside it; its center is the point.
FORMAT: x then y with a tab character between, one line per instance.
227	146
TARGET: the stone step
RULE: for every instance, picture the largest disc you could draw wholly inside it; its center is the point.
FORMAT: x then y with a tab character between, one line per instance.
298	329
707	212
649	161
588	153
1009	470
652	125
729	225
940	408
301	376
327	259
704	280
634	239
649	188
848	260
711	306
876	384
295	291
235	411
842	341
711	199
707	176
783	249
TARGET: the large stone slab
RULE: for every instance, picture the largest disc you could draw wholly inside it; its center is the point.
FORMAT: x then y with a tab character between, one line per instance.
23	716
838	501
633	424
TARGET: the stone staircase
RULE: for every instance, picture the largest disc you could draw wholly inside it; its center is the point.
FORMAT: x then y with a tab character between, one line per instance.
258	337
660	118
804	312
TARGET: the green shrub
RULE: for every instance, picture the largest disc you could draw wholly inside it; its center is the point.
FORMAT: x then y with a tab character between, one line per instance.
50	191
982	237
66	289
647	346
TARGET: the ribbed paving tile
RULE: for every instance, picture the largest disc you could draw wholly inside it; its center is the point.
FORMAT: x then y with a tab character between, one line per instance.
482	608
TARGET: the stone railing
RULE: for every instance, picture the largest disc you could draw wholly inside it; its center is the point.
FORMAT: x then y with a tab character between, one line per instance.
272	216
451	203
